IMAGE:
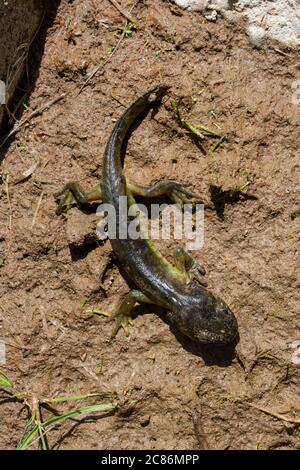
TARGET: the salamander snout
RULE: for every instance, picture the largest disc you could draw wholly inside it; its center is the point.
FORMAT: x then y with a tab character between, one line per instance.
225	324
207	319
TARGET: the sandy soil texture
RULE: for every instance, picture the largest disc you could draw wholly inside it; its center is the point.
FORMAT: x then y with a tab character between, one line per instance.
175	395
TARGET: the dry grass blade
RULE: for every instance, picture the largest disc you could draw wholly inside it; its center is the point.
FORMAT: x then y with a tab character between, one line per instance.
27	173
122	10
275	415
37	210
14	70
77	397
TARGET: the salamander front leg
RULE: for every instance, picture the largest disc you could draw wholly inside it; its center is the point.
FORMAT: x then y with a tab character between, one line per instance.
185	263
177	192
72	193
123	315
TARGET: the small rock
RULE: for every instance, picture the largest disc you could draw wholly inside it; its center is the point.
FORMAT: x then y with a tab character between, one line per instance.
81	228
212	16
256	35
145	421
296	357
231	16
193	5
294	344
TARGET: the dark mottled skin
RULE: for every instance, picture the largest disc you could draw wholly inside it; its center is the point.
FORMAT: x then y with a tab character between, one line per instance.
192	309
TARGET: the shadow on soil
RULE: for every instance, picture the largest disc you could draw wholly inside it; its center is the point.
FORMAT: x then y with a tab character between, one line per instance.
31	71
212	355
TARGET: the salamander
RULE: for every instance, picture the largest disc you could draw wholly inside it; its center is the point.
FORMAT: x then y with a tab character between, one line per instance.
180	288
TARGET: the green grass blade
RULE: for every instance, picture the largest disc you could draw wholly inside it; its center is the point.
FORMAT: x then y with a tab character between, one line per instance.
28	438
210	132
4	380
97	311
80	411
76	397
52	422
42	436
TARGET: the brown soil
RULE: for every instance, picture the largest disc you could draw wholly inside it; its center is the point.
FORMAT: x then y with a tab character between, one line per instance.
187	398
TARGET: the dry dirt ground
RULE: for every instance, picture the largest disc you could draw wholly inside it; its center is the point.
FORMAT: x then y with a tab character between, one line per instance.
174	395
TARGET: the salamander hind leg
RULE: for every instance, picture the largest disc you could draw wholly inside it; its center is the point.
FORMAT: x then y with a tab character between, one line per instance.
185	263
123	315
177	192
73	194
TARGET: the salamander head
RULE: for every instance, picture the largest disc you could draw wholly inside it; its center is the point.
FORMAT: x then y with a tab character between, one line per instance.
157	93
205	318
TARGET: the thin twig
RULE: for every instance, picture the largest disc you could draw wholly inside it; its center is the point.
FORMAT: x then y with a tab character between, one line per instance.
275	415
123	12
34	113
118	100
281	52
103	64
16	346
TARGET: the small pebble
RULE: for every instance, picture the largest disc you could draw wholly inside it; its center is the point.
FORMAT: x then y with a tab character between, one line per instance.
145	421
296	357
212	16
256	35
